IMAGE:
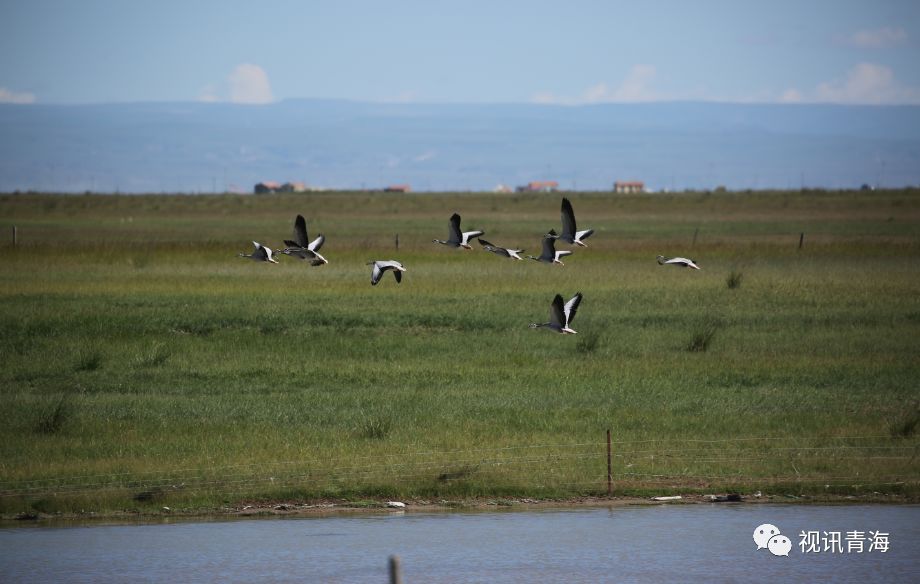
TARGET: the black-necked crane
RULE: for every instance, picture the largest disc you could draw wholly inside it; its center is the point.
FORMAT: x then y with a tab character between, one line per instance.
381	266
683	262
502	251
260	254
457	238
550	255
561	315
300	247
570	233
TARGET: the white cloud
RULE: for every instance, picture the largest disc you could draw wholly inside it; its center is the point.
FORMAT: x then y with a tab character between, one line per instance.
249	84
791	96
544	98
428	155
7	96
864	83
867	83
635	87
879	38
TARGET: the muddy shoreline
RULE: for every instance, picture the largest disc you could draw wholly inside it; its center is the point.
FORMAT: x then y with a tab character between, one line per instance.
330	507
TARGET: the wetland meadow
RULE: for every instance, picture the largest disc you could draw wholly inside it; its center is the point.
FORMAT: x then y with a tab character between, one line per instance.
147	367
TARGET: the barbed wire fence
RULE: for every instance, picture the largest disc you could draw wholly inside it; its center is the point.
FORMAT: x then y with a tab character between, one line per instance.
590	468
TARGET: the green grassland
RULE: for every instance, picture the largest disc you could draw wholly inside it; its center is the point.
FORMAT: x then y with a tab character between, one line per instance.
144	365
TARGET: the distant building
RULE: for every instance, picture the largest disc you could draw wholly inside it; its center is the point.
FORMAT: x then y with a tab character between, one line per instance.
292	187
539	186
268	186
629	186
397	189
501	189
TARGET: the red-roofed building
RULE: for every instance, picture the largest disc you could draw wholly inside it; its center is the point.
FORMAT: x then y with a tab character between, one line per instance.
629	186
539	186
267	186
397	189
293	187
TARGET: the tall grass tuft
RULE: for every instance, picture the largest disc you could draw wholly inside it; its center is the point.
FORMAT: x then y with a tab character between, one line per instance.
155	356
702	338
374	428
88	361
907	424
52	417
587	342
734	279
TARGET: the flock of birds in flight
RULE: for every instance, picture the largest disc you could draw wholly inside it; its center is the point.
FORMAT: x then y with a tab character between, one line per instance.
561	313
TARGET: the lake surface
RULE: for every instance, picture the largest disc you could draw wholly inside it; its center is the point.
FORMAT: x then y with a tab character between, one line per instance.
666	543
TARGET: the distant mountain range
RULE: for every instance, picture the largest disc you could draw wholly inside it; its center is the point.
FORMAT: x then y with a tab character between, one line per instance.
205	147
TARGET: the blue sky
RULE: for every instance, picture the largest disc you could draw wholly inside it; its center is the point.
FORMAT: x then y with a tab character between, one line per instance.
575	52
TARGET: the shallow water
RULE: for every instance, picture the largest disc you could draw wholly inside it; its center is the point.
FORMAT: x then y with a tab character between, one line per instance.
667	543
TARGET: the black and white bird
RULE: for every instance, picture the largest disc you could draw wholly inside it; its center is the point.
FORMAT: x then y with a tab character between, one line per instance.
550	255
570	233
457	238
299	246
502	251
561	315
260	254
683	262
381	266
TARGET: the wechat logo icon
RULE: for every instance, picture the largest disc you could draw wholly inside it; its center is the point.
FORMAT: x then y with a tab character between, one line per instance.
768	536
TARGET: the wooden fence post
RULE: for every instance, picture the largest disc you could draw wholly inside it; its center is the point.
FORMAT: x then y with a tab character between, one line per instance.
395	572
801	239
14	236
695	233
397	242
609	467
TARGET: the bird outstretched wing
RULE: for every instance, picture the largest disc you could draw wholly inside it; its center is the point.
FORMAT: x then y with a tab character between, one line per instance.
568	219
549	248
300	232
557	312
260	251
454	234
317	243
571	307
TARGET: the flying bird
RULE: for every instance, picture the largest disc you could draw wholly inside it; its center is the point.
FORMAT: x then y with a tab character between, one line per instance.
300	248
260	254
561	315
683	262
502	251
550	255
457	238
570	233
381	266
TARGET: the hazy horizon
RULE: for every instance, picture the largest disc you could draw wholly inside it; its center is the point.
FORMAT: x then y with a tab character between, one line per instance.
344	145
